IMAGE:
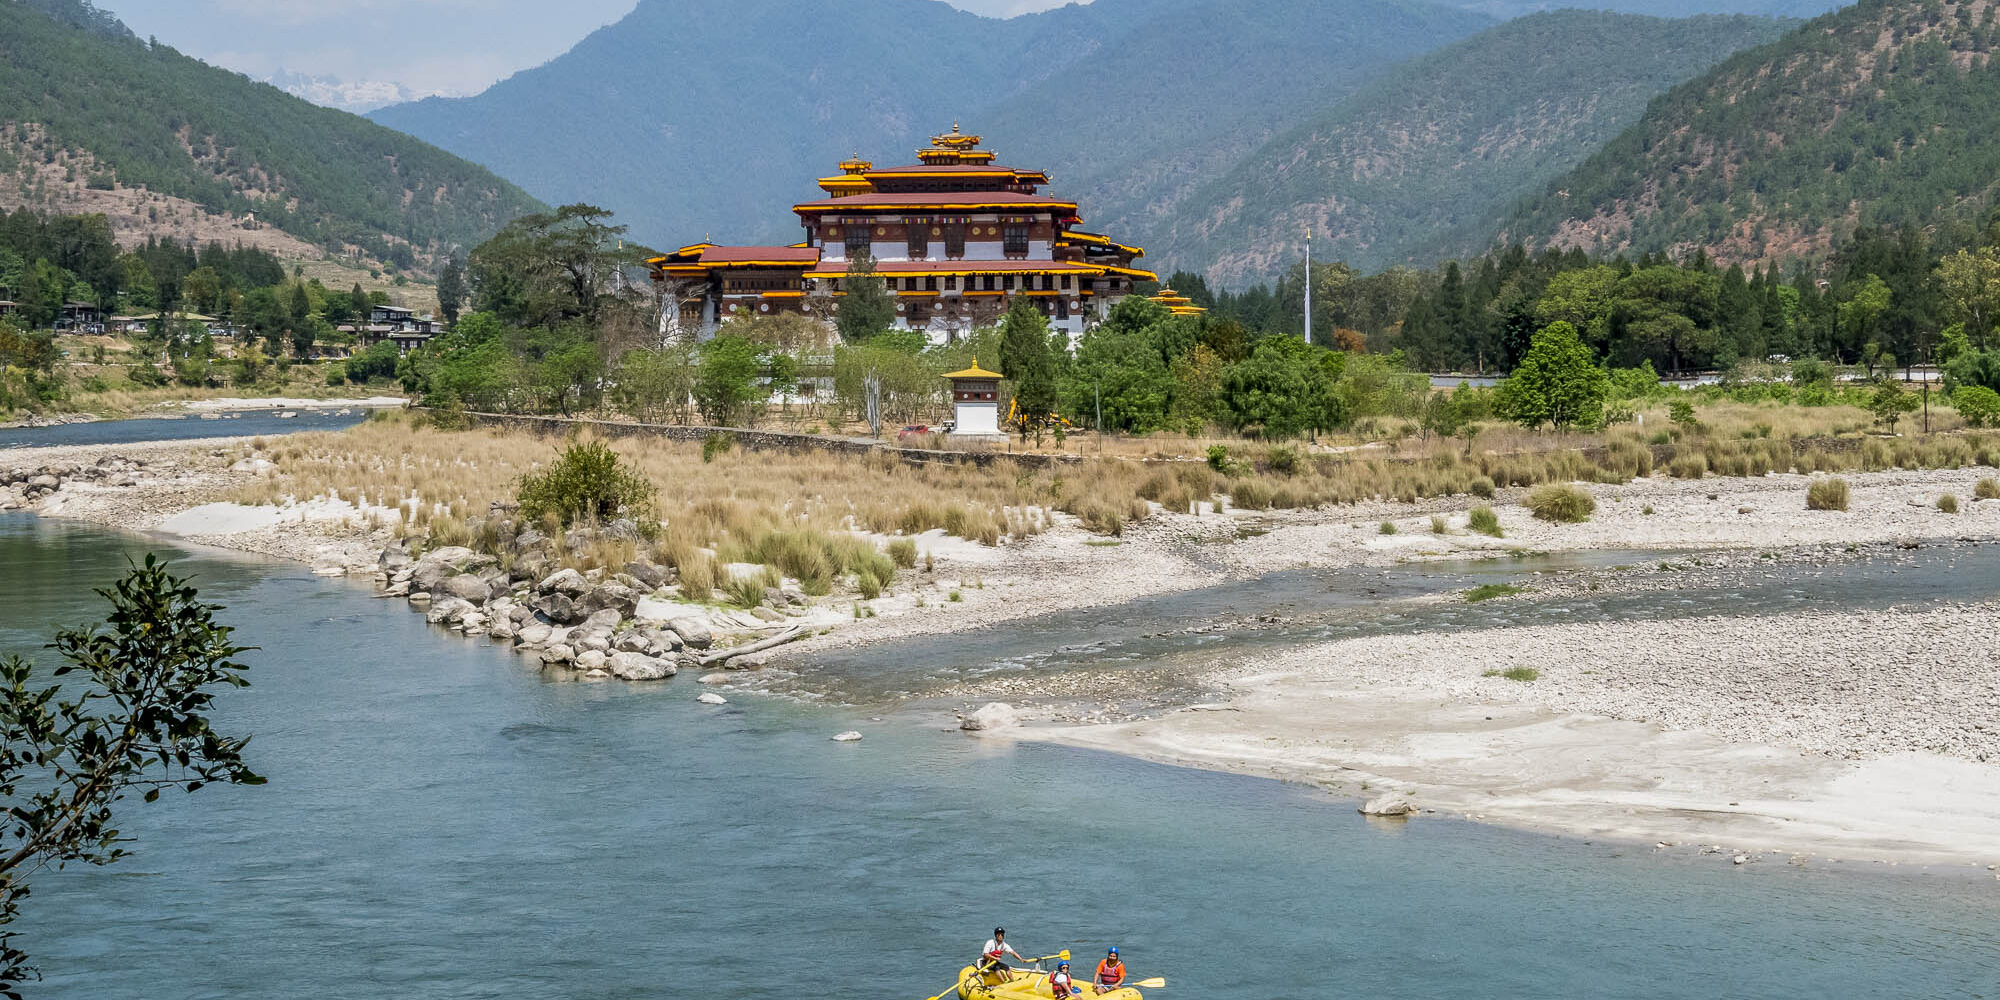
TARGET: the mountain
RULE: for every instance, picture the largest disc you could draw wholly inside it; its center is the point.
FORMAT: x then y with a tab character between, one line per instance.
1887	112
356	96
691	118
91	112
1422	163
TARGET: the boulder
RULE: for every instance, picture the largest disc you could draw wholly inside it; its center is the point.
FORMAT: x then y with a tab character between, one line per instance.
533	635
651	574
590	659
593	641
612	596
631	641
639	667
577	538
603	619
558	653
530	567
715	678
394	557
445	609
559	609
467	587
992	715
502	628
567	582
470	622
529	539
662	638
748	661
622	530
693	631
440	565
711	698
1388	805
850	736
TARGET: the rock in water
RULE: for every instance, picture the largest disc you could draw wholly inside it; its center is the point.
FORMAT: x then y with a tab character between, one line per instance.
467	587
559	609
992	715
711	698
692	631
1388	805
639	667
445	609
848	737
590	659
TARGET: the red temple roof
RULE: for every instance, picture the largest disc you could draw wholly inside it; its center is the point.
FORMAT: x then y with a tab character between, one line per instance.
938	199
901	267
760	255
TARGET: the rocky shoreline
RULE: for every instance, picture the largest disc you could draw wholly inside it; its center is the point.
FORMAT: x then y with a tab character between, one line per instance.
1634	727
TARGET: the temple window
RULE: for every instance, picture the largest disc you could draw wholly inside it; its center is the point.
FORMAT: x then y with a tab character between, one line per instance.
860	242
1065	282
1008	283
951	282
1015	241
930	284
920	242
1062	307
954	242
989	282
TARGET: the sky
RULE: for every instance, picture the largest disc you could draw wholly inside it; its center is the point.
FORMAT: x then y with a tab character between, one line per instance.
428	46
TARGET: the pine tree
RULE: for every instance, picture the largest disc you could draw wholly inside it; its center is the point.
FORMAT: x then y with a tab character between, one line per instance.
867	309
451	287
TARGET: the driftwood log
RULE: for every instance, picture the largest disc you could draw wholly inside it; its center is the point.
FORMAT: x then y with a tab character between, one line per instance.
760	645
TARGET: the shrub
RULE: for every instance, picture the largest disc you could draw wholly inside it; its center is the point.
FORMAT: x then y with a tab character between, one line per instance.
1979	405
1483	520
903	552
715	444
1522	674
586	483
1283	459
1827	494
1691	466
1481	487
1218	458
1489	591
1386	528
1948	504
1561	504
1681	412
870	581
335	377
745	591
1987	489
1437	526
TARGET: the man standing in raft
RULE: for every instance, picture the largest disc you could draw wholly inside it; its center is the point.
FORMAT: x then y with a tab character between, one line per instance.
990	957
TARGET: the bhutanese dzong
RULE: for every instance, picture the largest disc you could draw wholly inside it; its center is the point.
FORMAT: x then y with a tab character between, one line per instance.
953	236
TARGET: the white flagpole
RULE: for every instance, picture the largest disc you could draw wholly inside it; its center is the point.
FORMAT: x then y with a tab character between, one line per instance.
1309	285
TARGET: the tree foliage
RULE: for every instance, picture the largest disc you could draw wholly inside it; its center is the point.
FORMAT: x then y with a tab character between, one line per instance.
1558	382
140	723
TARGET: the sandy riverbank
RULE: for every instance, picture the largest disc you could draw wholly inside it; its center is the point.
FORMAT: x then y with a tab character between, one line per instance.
1848	735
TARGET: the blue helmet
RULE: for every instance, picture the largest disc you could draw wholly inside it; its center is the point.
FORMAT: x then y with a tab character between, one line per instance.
1113	951
1063	964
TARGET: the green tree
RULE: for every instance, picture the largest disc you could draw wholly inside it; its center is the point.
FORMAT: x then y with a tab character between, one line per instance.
551	268
1858	314
1890	403
726	382
1557	382
1024	336
139	725
1286	388
867	309
1197	379
1120	375
451	292
655	385
1969	282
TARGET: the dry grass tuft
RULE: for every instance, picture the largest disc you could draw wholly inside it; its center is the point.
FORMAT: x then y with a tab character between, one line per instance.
1829	493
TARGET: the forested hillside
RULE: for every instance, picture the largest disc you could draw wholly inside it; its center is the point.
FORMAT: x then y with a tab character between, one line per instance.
1422	163
1887	112
695	119
121	113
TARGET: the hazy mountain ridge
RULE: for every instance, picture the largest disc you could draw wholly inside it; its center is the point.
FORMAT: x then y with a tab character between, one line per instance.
145	116
1881	113
692	120
1423	163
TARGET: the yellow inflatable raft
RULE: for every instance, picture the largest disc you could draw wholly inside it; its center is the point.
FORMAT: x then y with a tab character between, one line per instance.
1028	986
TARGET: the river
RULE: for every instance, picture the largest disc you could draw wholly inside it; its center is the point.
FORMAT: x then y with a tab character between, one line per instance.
444	821
246	423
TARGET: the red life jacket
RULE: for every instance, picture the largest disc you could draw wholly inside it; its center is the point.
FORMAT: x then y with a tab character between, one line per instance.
1110	973
1059	983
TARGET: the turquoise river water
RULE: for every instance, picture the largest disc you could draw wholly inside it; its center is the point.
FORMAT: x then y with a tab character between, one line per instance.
443	821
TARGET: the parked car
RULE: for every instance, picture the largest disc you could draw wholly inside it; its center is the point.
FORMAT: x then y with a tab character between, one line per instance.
914	430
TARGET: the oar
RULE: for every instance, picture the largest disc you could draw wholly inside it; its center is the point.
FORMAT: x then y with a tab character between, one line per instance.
1155	983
